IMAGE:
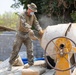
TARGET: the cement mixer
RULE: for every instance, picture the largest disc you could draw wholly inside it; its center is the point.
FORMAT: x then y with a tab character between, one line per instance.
59	42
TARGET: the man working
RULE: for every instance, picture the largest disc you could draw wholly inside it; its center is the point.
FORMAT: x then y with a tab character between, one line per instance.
23	35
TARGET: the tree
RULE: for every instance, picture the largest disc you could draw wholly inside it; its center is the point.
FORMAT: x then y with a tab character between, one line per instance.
9	20
59	8
63	8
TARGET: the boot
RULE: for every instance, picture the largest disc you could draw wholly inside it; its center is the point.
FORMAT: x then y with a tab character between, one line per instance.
28	65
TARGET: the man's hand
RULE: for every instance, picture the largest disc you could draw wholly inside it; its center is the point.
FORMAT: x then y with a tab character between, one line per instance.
27	25
41	32
32	35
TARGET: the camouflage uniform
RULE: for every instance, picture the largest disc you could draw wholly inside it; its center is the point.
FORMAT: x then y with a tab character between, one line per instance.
23	37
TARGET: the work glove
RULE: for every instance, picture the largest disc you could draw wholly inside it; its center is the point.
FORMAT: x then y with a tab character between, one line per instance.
32	35
41	32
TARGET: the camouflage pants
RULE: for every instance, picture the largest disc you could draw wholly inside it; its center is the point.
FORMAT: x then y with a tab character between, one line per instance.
17	45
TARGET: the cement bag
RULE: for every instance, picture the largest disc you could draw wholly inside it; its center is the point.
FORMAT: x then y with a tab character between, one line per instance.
57	31
18	62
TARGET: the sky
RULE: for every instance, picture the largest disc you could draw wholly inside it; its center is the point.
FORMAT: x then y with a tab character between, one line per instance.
5	6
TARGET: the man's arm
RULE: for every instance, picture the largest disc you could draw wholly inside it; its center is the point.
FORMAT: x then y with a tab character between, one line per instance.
36	24
23	20
21	16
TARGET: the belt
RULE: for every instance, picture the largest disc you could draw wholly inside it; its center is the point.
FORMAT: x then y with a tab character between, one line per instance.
22	34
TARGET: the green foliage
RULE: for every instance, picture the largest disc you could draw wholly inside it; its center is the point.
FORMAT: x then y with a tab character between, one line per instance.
1	22
41	4
37	2
73	14
57	8
16	4
9	19
45	6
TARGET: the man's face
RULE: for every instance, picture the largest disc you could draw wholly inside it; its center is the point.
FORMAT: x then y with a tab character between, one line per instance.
30	12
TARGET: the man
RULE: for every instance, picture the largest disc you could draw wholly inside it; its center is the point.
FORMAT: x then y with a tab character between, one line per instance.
23	35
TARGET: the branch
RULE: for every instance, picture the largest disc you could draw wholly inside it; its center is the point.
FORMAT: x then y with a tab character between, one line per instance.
6	29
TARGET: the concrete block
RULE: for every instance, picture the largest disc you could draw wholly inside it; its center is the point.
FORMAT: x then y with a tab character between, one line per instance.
29	72
33	70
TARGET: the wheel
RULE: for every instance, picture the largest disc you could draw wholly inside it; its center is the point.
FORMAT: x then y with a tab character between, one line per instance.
63	48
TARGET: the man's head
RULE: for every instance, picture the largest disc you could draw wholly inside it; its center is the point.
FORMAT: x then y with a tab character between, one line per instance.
31	8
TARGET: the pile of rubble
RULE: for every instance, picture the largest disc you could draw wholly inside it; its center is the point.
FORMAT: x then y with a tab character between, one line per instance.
39	68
